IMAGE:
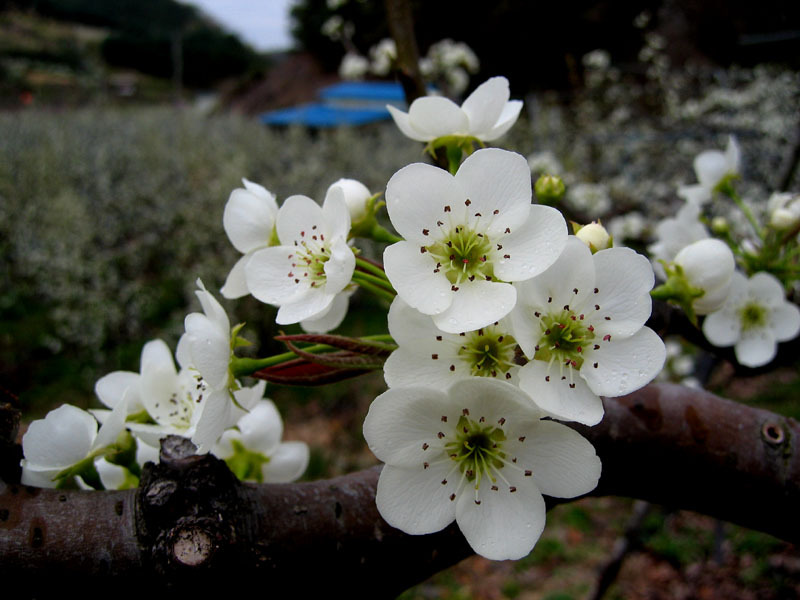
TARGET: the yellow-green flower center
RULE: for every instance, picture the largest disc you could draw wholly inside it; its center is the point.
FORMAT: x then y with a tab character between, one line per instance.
462	254
753	315
478	449
489	352
565	336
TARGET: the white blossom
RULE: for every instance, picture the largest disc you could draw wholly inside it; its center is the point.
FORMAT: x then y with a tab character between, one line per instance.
65	438
254	450
312	264
712	167
754	318
581	323
249	221
425	353
784	210
477	453
486	114
708	265
467	236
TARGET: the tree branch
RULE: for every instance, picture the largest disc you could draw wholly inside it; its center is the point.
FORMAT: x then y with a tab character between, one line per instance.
191	526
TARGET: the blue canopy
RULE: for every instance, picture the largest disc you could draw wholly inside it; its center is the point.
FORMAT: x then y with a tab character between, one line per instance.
344	103
324	115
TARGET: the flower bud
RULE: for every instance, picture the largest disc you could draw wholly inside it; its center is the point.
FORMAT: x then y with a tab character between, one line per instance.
549	189
595	236
708	265
356	195
720	225
784	210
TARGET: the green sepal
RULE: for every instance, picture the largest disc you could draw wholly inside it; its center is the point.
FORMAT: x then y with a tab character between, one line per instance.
123	453
678	290
246	464
141	417
84	469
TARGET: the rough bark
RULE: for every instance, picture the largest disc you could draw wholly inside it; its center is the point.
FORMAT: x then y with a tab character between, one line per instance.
192	527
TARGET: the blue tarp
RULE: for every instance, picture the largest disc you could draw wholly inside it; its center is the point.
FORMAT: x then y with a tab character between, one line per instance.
383	91
345	103
324	115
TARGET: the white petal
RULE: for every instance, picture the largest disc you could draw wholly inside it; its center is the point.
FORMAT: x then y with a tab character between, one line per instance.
110	388
766	289
156	353
710	166
733	155
113	477
504	525
236	283
213	308
495	180
335	214
411	274
261	192
507	118
248	220
287	463
624	364
409	366
434	116
533	245
267	273
316	303
484	105
112	425
416	197
550	390
209	349
563	462
722	328
262	428
576	260
476	304
400	420
296	218
214	416
404	125
63	438
695	194
414	500
624	279
339	268
38	478
785	321
331	319
756	348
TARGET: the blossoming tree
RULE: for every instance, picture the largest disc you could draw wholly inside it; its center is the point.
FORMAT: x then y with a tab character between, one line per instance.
517	360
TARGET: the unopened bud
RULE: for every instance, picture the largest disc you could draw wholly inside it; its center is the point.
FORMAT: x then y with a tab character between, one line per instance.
784	210
595	236
720	225
708	265
549	189
356	195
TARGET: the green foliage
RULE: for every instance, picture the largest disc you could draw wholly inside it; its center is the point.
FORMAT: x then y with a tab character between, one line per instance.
108	217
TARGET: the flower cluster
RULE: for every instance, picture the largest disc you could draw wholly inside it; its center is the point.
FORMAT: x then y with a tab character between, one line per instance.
501	326
746	308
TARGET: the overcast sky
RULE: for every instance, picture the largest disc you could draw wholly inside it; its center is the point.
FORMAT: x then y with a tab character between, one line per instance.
264	24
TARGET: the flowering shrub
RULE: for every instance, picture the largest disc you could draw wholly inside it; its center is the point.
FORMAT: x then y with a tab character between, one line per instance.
499	324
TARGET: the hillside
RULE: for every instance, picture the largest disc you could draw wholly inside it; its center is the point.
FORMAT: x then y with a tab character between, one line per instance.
73	51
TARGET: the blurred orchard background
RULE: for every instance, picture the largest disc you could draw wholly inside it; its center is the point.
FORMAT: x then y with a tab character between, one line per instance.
125	124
